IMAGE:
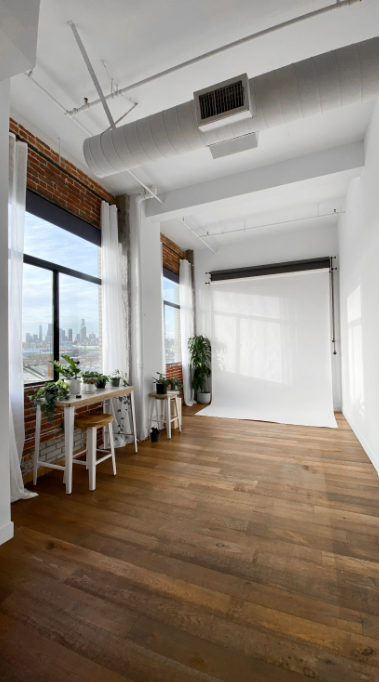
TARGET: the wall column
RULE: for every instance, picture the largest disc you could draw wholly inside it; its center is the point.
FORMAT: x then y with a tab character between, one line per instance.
146	307
6	526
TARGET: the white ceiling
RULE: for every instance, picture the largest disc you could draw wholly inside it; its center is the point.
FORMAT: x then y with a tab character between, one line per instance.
136	40
306	204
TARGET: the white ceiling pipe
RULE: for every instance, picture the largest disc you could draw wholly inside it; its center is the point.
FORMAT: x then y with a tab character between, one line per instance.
332	80
197	235
178	67
221	233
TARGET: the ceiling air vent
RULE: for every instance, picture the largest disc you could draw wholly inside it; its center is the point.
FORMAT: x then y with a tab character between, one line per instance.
223	103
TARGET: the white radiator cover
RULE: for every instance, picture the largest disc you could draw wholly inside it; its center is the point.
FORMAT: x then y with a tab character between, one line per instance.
332	80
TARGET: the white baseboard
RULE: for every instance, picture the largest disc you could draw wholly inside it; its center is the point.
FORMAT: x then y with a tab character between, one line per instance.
6	532
367	448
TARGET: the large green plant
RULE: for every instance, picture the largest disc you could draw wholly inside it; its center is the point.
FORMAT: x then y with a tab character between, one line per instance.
200	351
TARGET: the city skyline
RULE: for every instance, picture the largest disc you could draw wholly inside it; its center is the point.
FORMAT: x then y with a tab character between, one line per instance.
64	337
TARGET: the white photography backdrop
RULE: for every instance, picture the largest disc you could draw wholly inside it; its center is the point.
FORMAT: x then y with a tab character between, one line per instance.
271	349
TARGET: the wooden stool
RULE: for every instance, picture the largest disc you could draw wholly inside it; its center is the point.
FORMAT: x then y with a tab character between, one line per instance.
91	424
154	402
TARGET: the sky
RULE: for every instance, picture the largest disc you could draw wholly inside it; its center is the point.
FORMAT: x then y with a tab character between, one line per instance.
78	298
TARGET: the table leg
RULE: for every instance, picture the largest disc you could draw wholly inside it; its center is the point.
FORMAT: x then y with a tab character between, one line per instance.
69	417
36	443
168	417
177	413
133	412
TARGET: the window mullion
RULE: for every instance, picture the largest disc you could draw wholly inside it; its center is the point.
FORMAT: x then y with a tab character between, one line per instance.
56	320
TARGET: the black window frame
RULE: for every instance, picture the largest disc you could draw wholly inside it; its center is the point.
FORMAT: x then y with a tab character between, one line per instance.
42	208
168	274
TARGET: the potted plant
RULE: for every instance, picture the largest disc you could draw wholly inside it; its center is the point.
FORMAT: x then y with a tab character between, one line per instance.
100	380
154	435
116	377
70	371
89	381
200	352
161	384
175	384
47	396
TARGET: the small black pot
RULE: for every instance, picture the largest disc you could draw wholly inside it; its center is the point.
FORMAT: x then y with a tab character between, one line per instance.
154	436
161	389
114	381
101	383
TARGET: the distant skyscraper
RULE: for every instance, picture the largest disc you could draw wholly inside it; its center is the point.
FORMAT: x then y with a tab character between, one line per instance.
70	335
40	332
62	335
83	330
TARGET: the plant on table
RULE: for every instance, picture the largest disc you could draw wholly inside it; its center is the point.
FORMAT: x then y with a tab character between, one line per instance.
48	395
89	378
200	351
70	371
116	377
162	383
94	378
175	384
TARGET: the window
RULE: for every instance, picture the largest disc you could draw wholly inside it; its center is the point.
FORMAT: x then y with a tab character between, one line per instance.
61	291
171	310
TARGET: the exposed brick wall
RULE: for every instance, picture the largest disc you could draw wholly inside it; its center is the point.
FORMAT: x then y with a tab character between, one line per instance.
60	181
172	254
175	371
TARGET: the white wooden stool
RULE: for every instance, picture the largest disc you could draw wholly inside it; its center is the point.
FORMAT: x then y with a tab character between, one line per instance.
91	424
155	400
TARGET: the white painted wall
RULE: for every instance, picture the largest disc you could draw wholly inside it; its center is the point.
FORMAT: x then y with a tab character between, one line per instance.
269	245
6	526
146	285
359	284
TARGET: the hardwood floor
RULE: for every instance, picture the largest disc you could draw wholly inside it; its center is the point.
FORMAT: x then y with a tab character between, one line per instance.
238	551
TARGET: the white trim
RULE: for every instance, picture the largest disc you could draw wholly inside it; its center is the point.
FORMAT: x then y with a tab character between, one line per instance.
367	448
6	532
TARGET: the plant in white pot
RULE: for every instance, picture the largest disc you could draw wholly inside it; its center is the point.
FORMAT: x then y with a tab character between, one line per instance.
200	352
70	372
89	381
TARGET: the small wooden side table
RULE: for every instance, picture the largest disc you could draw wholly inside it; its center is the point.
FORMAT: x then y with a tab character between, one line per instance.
155	399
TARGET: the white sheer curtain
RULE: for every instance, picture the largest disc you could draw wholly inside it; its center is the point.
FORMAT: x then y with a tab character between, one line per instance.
18	154
271	349
186	326
113	318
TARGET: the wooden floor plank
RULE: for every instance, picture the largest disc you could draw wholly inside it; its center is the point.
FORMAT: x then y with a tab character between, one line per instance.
237	551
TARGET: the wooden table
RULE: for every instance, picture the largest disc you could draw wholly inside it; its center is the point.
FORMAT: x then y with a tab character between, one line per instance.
102	395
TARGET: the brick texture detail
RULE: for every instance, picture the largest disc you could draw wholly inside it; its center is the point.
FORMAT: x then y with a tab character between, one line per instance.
172	254
175	371
60	181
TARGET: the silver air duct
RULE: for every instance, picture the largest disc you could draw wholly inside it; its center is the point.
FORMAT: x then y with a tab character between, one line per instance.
332	80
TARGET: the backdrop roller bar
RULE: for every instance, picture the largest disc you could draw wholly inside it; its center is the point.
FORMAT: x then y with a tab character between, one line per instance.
272	269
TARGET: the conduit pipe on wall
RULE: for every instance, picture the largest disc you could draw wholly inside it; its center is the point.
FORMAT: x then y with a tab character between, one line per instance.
137	311
178	67
313	86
